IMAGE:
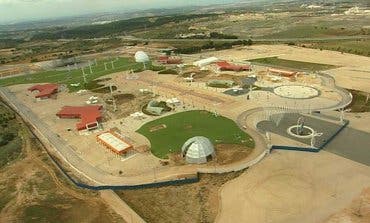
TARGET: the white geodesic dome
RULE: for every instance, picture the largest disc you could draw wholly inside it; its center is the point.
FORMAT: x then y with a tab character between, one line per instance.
141	57
198	149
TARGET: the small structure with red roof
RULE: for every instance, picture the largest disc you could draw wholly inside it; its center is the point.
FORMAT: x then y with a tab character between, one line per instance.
226	66
90	115
284	73
115	143
44	90
169	60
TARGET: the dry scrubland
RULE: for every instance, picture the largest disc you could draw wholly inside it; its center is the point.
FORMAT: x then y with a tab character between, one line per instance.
32	190
192	203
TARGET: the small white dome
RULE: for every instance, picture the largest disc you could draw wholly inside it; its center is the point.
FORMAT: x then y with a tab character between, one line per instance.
141	57
197	149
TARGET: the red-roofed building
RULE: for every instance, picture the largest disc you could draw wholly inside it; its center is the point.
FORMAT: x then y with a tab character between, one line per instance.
115	143
44	90
169	60
226	66
90	115
285	73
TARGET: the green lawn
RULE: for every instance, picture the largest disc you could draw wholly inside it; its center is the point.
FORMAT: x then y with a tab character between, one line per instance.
75	76
184	125
275	61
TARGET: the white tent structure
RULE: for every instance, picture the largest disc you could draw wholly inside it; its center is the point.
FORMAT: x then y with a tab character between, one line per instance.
205	62
198	150
141	57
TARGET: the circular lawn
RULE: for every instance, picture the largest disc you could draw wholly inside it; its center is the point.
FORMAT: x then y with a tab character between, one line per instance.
168	134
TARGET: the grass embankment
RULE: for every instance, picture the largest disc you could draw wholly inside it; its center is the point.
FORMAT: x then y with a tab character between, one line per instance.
191	203
275	61
182	126
360	102
75	76
10	142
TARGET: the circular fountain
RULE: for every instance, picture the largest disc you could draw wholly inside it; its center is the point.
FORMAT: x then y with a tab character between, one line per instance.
300	130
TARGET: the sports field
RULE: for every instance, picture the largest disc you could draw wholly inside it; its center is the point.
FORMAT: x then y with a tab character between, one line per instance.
168	134
74	76
275	61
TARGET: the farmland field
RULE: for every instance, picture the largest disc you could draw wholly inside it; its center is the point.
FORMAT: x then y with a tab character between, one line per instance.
300	65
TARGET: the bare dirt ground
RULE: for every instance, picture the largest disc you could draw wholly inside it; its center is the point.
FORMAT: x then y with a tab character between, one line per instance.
227	153
357	212
197	202
293	187
33	191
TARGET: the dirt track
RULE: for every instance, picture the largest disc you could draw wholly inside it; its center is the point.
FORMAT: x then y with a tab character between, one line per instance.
293	187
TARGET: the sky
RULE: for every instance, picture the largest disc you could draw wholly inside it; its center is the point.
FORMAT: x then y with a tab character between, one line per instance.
24	10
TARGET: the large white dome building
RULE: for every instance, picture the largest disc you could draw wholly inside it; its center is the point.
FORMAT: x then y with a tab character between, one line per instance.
141	57
198	150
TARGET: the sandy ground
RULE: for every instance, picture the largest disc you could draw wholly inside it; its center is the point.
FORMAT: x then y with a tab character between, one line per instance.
293	187
357	212
352	72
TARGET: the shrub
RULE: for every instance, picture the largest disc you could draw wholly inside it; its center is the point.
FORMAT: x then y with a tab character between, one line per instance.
168	71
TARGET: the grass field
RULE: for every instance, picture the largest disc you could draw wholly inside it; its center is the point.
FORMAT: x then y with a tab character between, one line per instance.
275	61
359	47
75	76
182	126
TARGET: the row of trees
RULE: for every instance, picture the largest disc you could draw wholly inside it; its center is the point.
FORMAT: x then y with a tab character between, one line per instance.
212	45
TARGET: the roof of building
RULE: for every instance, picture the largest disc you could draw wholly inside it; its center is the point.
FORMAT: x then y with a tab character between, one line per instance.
206	61
45	90
224	65
114	142
249	80
284	72
198	147
170	60
87	114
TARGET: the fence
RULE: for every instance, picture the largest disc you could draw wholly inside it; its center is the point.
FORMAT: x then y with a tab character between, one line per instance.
310	149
